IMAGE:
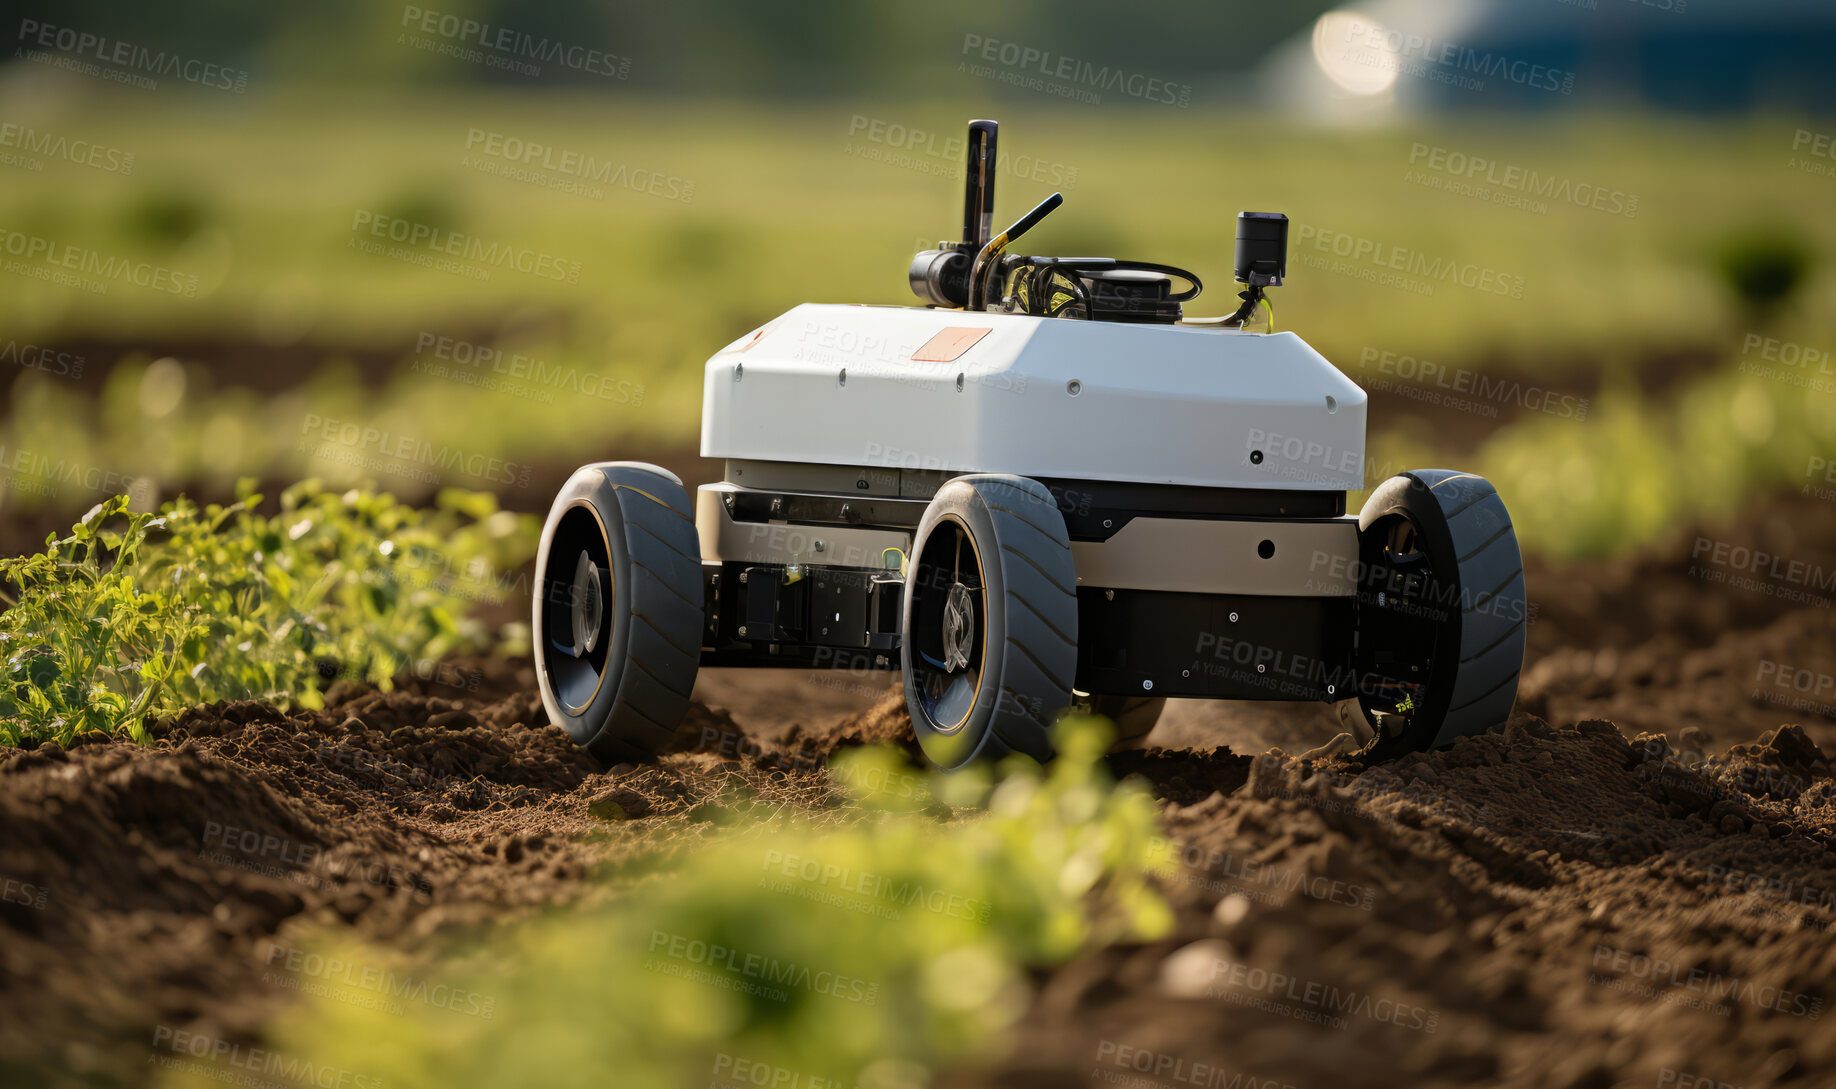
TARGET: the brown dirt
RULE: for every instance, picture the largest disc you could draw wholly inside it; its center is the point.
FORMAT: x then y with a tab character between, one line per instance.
1644	886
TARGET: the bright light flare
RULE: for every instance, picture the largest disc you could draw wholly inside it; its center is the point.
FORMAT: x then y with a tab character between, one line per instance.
1353	50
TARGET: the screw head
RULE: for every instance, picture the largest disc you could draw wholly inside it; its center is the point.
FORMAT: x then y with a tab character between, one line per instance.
1147	686
1185	673
1233	618
1260	668
1332	690
1074	387
742	629
820	546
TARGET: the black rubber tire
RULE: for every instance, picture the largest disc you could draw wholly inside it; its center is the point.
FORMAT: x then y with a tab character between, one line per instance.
1027	607
1133	716
1478	609
628	707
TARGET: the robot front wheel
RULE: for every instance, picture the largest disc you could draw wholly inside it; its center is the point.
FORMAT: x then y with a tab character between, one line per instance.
989	647
618	609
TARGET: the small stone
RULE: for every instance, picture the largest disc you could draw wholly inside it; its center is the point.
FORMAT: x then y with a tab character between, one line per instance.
1231	910
1188	971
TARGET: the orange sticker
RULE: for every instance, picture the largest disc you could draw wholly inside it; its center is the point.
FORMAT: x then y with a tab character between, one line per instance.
949	345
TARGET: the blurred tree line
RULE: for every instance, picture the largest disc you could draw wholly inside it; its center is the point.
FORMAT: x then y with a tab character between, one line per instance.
777	48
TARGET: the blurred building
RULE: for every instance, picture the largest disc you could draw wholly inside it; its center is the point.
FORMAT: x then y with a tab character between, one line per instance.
1695	56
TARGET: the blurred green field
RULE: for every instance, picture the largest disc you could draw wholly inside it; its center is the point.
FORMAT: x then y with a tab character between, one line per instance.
789	207
722	216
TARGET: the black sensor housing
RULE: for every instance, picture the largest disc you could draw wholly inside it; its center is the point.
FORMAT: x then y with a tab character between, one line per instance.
1262	248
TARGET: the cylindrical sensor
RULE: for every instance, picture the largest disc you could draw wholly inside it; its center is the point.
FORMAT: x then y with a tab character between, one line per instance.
1262	248
940	277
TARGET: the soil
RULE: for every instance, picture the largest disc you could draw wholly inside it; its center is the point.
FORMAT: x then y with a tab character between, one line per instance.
1632	885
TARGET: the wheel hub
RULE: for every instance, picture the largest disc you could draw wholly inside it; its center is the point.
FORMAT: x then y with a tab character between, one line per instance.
958	632
588	605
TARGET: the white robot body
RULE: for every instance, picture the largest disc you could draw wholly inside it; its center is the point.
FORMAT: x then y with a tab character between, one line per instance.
955	392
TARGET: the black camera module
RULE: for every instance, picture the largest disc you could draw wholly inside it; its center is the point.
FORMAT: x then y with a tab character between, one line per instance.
1262	248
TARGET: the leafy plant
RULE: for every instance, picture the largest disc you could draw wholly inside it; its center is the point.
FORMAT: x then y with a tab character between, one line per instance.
137	614
869	947
1764	266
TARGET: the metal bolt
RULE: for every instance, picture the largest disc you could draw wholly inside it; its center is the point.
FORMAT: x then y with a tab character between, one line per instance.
1074	387
742	629
820	546
1107	523
777	506
1109	595
1185	673
1147	686
1233	618
1260	668
1331	690
744	575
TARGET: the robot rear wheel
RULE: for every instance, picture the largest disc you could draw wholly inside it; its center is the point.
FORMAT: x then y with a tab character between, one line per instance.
1441	614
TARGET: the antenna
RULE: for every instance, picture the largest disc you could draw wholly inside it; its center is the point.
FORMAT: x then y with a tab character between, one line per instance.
978	187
